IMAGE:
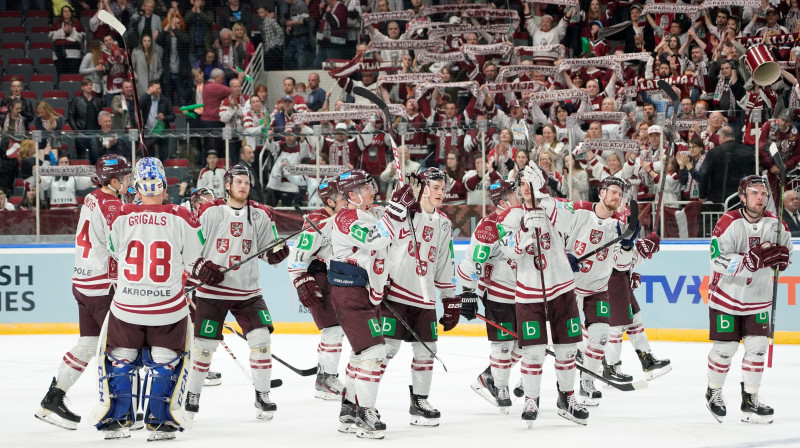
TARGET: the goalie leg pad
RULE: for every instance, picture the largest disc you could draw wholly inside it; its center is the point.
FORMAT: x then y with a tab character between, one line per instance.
260	358
120	377
719	362
329	350
75	361
422	368
500	362
163	367
755	350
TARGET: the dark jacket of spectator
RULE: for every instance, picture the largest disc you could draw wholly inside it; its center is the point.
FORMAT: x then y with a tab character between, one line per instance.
121	118
740	162
83	113
27	109
228	17
198	30
316	99
164	40
164	107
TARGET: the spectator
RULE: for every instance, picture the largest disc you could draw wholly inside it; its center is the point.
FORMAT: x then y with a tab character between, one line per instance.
272	38
316	96
554	179
173	13
146	22
580	181
229	56
123	11
690	166
29	156
92	66
16	94
544	33
211	176
456	193
791	203
67	49
146	60
235	13
96	26
449	139
735	161
785	136
288	90
213	94
67	16
29	200
284	117
82	116
9	161
520	161
548	143
389	175
207	64
124	108
332	32
247	157
5	204
175	61
259	91
106	142
231	113
477	182
283	188
255	123
63	189
157	114
297	32
48	120
242	43
501	156
199	29
116	65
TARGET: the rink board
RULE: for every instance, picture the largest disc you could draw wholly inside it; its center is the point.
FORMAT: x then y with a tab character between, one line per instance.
36	297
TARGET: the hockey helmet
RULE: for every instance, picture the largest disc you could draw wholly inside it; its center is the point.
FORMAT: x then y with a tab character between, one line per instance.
149	177
196	200
109	167
613	180
353	180
328	189
237	170
749	181
499	190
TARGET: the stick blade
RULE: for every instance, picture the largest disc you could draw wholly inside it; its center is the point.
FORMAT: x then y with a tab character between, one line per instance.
663	85
109	19
776	157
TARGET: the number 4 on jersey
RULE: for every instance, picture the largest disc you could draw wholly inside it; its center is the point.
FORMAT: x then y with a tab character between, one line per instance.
83	241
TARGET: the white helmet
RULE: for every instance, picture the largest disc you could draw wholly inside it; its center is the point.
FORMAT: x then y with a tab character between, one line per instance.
149	177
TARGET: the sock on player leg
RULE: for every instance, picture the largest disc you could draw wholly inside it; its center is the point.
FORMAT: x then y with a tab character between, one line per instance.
260	358
329	350
75	361
719	362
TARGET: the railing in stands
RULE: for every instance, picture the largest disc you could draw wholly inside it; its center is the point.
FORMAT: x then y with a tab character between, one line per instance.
253	70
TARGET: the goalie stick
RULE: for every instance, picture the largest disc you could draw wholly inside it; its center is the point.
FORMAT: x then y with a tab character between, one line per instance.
776	157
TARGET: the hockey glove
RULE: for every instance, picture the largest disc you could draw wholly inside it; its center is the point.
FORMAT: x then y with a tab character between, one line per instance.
307	290
275	257
627	243
777	257
452	307
573	262
208	272
636	280
469	303
648	246
402	199
755	259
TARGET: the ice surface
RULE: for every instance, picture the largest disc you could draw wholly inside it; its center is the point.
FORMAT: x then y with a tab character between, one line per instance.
671	412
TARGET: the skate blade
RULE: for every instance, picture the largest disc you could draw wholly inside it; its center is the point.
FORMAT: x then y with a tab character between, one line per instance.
418	420
484	393
121	433
265	415
327	395
616	380
347	428
749	417
719	418
208	382
52	418
157	436
588	401
362	433
572	418
529	423
505	409
653	374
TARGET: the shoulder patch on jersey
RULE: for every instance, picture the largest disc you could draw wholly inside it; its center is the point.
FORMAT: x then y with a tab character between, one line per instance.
344	219
725	221
317	216
215	203
581	205
487	231
265	208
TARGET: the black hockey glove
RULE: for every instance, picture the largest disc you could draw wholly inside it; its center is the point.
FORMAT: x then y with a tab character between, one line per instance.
208	272
573	262
452	306
469	303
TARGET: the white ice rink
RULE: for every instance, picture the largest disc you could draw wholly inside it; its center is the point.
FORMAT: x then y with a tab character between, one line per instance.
670	413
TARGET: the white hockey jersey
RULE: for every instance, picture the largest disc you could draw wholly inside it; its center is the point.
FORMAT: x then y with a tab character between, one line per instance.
361	239
63	189
586	233
153	244
95	269
435	247
311	245
488	267
213	180
232	237
734	289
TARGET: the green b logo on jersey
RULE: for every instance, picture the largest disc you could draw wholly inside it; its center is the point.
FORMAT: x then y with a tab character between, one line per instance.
503	335
434	330
389	326
530	330
570	206
452	252
201	237
359	233
208	329
714	248
630	311
266	319
501	231
602	309
574	327
481	254
374	327
762	318
306	241
724	324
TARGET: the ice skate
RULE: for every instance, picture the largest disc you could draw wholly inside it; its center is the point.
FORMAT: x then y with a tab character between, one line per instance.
265	408
161	432
716	403
192	402
614	372
530	411
139	423
519	391
328	386
347	416
484	386
653	368
55	411
116	430
212	379
503	399
754	410
369	424
422	413
589	396
571	409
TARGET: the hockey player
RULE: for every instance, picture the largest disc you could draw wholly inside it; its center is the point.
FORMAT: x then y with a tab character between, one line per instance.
308	260
148	322
592	225
426	255
235	229
488	269
198	198
746	246
544	296
92	283
357	274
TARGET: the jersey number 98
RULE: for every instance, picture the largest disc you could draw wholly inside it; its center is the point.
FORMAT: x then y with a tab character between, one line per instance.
157	264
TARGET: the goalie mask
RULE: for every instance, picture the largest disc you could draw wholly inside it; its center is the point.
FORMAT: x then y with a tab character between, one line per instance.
150	179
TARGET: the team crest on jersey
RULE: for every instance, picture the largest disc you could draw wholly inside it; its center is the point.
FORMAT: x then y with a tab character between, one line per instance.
529	250
236	229
246	246
487	273
222	245
377	266
422	268
432	254
602	254
427	233
233	259
596	236
580	247
545	240
540	263
112	208
112	268
586	266
512	264
754	241
411	252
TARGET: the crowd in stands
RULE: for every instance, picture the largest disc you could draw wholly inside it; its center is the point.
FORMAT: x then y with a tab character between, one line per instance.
557	84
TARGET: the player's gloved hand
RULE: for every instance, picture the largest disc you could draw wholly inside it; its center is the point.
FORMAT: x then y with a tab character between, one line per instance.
275	257
452	308
307	290
402	200
208	272
573	262
648	246
469	303
627	243
636	280
755	258
777	256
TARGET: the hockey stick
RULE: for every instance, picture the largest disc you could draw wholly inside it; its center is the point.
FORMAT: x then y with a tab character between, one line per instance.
413	333
625	387
773	150
259	253
676	101
624	236
109	19
301	372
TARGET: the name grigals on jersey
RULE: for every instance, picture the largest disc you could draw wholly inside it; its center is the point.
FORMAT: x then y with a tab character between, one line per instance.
146	218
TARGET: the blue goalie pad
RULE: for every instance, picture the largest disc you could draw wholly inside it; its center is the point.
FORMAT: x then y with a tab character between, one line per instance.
160	380
123	384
